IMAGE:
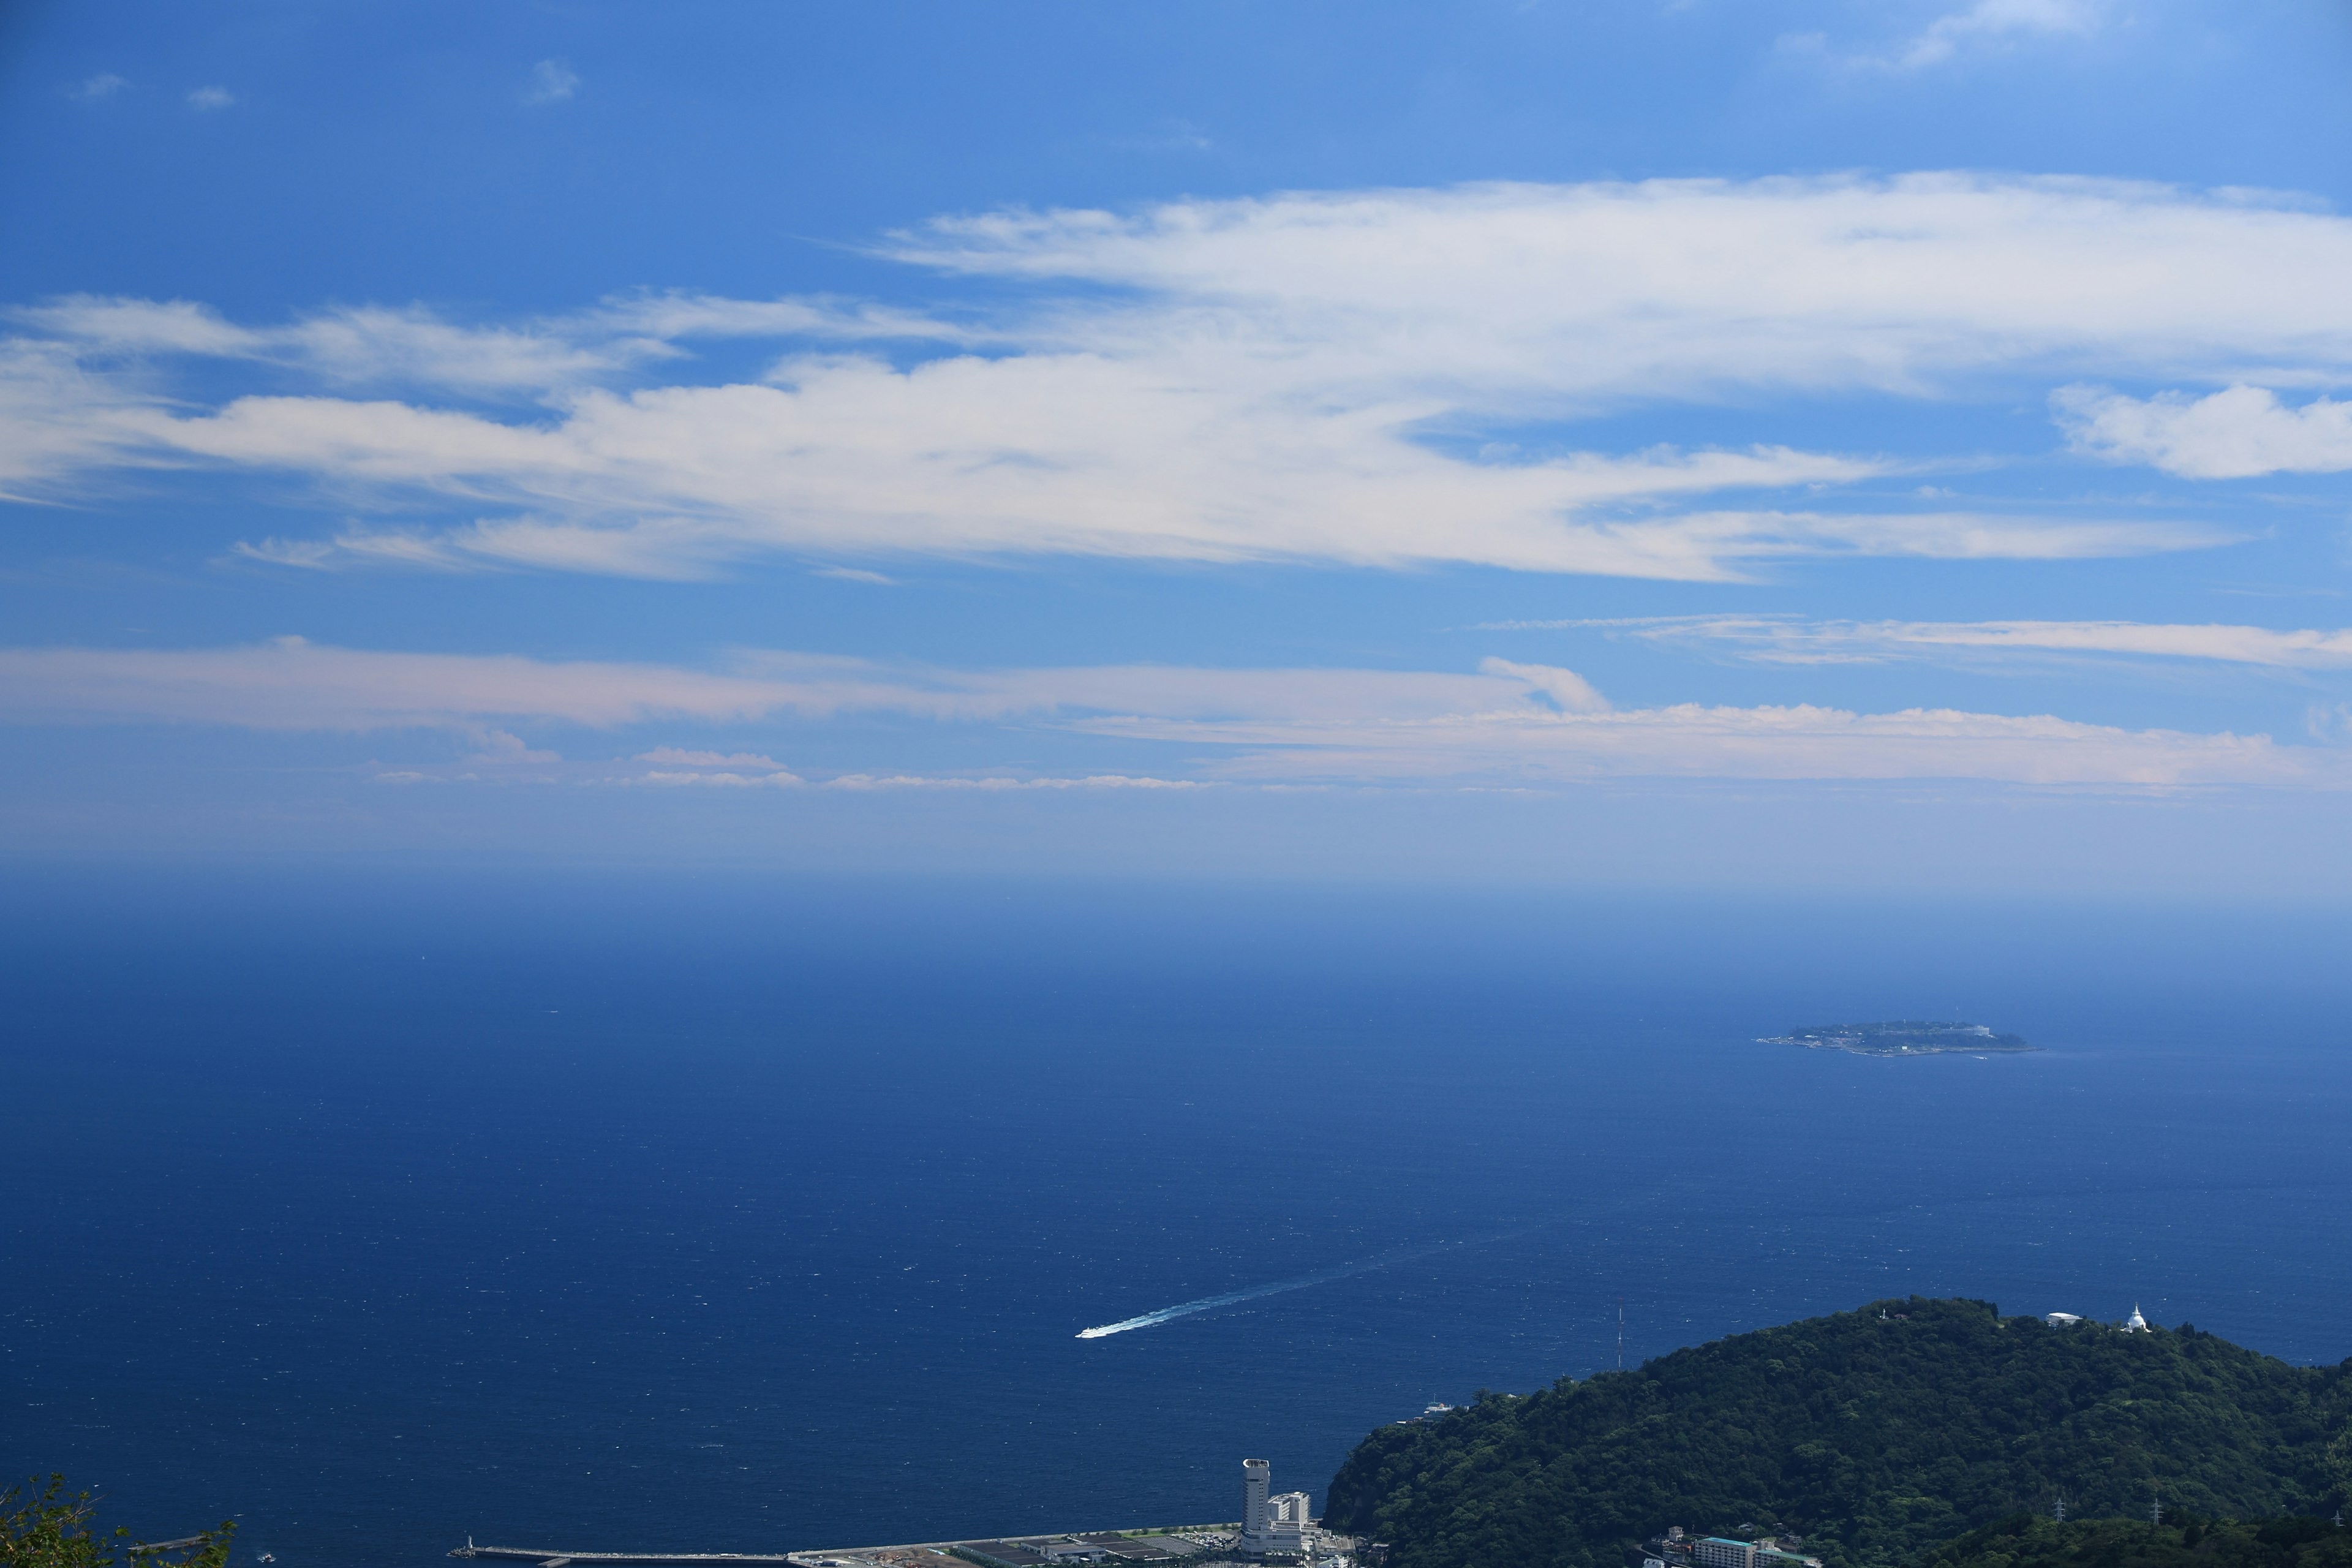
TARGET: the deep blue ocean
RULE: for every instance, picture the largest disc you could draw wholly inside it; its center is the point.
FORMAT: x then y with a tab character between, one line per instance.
751	1215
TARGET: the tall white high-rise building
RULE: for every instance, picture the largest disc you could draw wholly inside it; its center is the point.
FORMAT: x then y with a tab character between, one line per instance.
1256	1476
1271	1523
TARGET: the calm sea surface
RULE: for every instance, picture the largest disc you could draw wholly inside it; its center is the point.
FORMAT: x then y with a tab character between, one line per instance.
751	1217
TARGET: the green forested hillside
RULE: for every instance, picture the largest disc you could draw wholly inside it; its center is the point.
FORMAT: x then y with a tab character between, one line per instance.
2182	1541
1873	1439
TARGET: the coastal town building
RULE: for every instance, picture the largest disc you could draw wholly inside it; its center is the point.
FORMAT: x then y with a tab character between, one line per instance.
1256	1477
1677	1550
1721	1552
1270	1525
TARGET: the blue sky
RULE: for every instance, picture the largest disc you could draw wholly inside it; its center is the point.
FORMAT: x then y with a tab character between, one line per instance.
1696	444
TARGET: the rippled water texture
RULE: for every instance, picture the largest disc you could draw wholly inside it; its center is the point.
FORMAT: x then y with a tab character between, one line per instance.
616	1213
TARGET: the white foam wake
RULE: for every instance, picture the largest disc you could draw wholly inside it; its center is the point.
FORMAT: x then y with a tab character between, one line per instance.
1230	1298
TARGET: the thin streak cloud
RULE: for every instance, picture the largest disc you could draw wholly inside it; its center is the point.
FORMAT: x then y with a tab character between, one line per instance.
1511	724
1790	640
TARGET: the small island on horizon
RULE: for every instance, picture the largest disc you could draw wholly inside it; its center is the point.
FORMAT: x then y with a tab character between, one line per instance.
1901	1038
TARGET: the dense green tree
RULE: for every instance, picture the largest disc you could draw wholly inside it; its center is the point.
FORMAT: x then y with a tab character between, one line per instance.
1872	1436
49	1527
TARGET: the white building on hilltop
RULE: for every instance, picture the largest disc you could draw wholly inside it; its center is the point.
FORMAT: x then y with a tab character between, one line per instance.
1270	1523
2135	1324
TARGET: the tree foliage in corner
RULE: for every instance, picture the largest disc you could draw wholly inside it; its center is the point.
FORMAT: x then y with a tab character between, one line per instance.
1874	1438
50	1528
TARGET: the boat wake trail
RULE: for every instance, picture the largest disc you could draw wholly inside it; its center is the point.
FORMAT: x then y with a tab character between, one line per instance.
1232	1298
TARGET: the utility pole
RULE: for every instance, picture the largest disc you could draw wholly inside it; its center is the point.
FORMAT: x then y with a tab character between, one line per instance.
1620	1333
2061	1514
2154	1508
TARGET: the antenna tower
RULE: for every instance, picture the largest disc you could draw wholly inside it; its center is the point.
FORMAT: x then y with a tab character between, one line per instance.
1620	1333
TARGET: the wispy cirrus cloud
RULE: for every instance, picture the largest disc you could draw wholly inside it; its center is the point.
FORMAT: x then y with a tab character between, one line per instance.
358	344
2001	21
1303	377
1977	28
1789	639
1510	724
290	683
551	81
61	423
1790	742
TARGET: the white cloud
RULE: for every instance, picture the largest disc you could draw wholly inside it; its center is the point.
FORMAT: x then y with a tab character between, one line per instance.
672	756
2236	433
104	85
551	81
854	783
120	326
291	684
679	315
352	344
205	100
1511	724
973	457
996	782
61	422
779	780
1787	640
1572	691
1992	20
1501	296
502	748
1302	377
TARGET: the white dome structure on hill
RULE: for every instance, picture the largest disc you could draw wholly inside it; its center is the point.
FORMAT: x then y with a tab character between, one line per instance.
2135	1324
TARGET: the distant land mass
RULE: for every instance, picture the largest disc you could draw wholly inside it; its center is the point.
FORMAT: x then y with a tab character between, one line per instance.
1870	1438
1900	1038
